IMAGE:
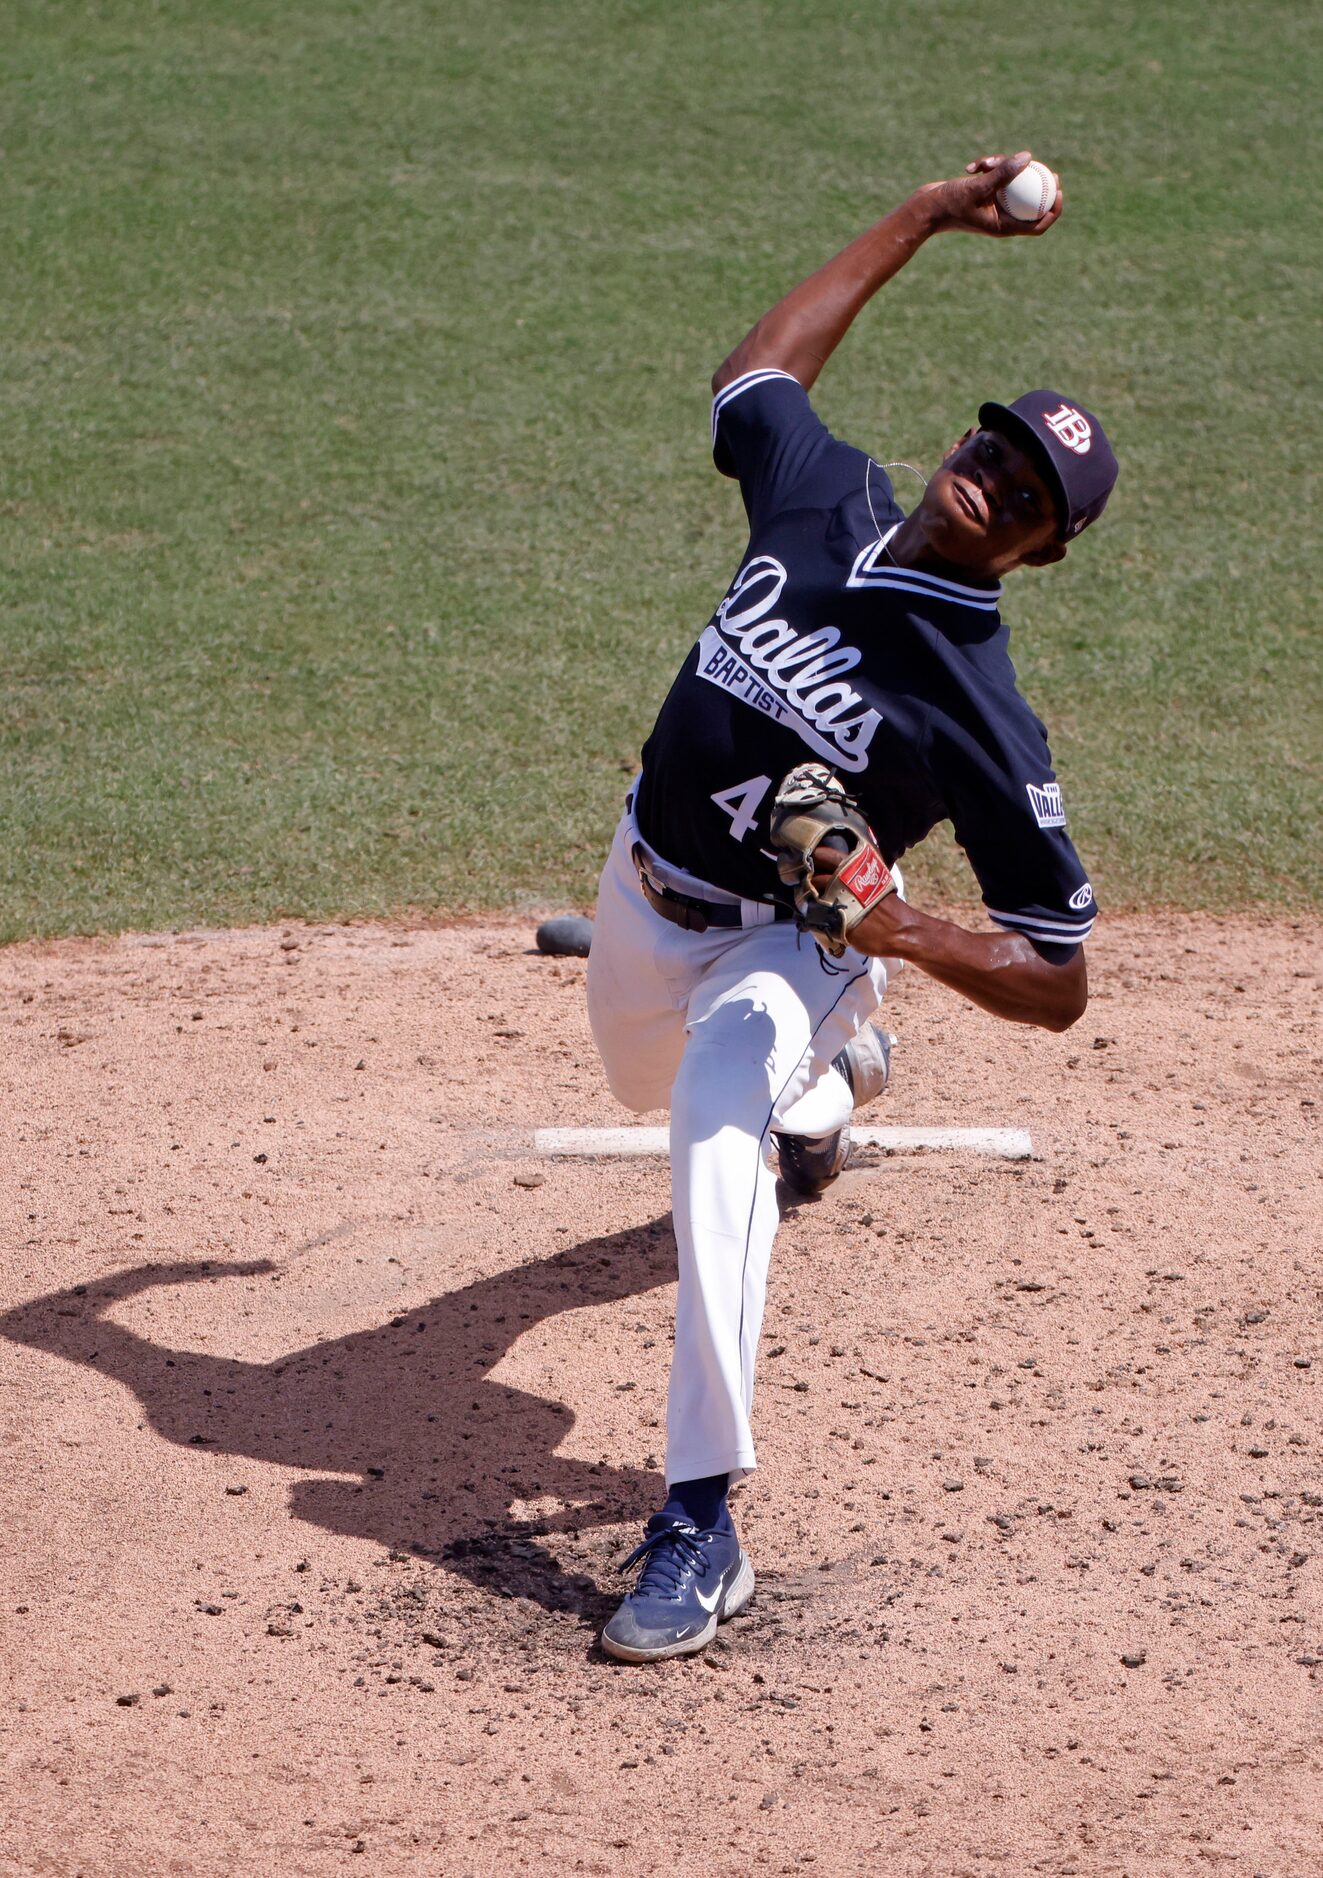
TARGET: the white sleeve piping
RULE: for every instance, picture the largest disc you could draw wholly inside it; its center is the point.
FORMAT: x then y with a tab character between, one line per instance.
1060	932
742	383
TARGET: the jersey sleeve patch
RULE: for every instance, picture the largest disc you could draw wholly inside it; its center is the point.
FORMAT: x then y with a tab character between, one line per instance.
1045	801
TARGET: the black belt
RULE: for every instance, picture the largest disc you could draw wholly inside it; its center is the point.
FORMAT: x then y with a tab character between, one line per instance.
683	910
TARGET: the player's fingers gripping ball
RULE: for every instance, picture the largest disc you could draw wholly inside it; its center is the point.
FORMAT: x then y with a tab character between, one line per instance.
813	810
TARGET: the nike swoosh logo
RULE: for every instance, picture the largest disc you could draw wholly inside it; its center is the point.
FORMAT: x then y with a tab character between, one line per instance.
708	1604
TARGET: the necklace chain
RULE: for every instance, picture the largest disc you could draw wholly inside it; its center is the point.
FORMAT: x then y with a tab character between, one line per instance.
868	472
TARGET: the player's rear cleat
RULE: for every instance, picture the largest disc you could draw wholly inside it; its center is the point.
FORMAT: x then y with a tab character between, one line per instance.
865	1063
809	1163
691	1581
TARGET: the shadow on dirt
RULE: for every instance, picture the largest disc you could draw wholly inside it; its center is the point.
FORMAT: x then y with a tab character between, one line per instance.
439	1453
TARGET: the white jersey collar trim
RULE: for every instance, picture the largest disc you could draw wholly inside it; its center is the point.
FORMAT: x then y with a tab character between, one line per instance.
873	568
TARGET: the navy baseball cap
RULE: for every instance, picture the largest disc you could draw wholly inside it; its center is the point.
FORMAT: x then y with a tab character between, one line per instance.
1069	445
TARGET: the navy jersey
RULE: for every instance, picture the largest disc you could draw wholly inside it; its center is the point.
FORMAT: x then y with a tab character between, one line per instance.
900	682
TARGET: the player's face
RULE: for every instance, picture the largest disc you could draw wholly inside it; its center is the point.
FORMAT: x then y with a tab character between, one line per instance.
987	509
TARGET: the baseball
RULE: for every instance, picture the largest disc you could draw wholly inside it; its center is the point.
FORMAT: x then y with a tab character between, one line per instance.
1029	196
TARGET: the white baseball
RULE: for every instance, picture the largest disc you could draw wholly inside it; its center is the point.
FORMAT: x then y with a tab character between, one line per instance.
1029	196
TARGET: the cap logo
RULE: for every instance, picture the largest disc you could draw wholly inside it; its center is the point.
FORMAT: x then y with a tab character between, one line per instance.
1070	427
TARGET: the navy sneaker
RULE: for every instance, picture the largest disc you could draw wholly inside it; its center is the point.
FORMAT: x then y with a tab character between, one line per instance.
691	1581
808	1164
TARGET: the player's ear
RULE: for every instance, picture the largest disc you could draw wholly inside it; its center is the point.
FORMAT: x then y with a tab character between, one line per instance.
1044	556
956	445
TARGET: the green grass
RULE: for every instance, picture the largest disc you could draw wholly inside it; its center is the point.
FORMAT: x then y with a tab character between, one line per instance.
355	503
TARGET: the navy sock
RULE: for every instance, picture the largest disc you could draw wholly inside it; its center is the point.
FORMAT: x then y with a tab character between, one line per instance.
701	1502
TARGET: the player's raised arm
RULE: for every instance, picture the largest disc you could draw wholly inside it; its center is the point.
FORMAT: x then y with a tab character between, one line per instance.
801	332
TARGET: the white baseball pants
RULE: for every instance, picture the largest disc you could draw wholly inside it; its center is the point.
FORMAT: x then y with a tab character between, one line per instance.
733	1030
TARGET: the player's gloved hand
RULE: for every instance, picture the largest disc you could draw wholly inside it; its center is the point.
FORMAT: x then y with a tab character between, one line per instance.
812	810
969	202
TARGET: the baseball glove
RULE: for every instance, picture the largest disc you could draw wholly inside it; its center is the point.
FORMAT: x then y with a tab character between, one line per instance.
813	810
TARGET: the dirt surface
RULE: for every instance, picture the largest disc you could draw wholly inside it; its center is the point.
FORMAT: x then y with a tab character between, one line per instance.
328	1410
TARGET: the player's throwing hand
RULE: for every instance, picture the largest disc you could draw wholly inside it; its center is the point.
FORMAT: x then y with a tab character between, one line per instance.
969	202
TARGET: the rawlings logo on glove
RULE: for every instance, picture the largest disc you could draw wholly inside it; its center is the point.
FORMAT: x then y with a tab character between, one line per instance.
812	810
